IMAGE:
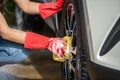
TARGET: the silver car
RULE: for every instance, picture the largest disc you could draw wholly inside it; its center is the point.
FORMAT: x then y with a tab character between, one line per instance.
94	26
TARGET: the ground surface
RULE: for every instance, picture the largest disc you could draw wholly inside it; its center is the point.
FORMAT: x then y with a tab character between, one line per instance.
40	67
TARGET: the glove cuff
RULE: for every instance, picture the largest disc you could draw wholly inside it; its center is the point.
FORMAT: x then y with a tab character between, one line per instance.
35	41
48	9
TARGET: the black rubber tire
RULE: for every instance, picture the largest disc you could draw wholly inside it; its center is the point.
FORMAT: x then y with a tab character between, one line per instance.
79	60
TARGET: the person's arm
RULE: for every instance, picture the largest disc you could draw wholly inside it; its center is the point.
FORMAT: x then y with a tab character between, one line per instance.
31	40
28	6
44	9
9	33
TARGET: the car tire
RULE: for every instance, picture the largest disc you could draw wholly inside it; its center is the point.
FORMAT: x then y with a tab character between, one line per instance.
75	68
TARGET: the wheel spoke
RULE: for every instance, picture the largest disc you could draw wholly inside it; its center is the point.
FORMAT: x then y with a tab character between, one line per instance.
74	68
70	30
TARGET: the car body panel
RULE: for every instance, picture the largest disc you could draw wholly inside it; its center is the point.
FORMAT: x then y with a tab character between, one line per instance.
102	17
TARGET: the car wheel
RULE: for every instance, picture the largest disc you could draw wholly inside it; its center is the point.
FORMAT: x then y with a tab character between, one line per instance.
74	68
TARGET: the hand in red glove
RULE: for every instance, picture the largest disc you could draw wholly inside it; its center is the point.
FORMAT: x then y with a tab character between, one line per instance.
48	9
36	41
56	45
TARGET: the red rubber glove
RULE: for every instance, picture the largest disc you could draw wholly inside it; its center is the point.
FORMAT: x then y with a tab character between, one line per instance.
48	9
56	45
36	41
